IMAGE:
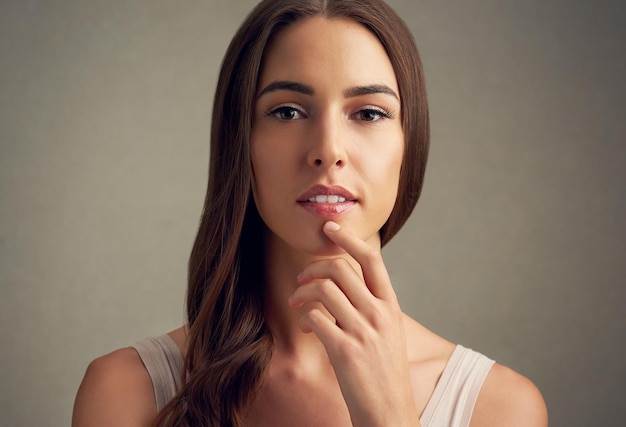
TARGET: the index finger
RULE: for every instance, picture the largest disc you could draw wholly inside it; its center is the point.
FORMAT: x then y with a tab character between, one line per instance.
371	261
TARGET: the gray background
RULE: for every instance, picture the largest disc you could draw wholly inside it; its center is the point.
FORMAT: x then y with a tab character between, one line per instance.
516	249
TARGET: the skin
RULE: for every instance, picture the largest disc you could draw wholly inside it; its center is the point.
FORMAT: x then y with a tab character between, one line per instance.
328	136
345	354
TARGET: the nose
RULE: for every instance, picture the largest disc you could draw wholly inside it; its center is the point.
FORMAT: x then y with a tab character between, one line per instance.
328	145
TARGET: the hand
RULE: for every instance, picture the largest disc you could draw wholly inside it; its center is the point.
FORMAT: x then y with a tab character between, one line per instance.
366	343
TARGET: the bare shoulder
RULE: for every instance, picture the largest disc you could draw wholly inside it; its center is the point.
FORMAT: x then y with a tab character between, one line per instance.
505	399
423	344
116	390
428	355
509	399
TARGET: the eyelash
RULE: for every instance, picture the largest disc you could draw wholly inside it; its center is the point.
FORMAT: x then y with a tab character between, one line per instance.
274	112
382	113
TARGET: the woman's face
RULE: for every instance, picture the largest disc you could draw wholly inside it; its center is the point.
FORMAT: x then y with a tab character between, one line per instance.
327	139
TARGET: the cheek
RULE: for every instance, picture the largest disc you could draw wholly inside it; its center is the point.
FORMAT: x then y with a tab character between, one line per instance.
266	163
383	164
269	175
385	167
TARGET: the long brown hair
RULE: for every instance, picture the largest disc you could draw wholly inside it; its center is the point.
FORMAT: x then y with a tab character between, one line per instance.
229	344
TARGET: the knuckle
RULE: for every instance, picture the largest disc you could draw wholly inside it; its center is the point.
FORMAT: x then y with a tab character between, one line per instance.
349	349
373	256
337	265
378	318
311	316
310	320
364	336
325	288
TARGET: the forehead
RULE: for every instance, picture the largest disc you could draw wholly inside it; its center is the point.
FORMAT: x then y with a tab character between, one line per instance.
319	50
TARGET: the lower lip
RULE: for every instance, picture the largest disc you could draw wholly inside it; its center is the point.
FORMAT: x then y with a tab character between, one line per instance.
328	210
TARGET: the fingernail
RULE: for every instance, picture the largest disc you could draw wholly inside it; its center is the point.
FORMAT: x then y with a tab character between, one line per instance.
332	226
293	302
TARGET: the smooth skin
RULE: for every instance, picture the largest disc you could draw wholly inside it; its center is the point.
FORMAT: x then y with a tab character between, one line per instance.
344	354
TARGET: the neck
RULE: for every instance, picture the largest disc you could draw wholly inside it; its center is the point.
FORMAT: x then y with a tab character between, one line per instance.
282	265
281	268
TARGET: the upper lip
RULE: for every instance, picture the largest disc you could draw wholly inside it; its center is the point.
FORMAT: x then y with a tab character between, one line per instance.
325	190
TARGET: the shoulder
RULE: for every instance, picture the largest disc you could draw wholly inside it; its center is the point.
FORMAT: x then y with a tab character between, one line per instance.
509	399
180	336
116	390
505	399
423	344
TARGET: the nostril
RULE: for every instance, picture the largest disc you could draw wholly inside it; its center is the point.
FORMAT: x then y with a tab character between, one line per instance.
320	162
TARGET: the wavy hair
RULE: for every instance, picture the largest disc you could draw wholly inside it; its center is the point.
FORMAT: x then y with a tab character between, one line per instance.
229	343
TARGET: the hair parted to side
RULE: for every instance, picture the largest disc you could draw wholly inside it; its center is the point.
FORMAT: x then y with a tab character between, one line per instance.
229	344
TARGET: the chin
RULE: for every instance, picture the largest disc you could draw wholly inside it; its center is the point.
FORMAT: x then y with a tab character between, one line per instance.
316	246
309	243
325	250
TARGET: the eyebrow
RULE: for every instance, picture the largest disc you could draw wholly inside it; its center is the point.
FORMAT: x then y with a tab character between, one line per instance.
287	85
369	90
308	90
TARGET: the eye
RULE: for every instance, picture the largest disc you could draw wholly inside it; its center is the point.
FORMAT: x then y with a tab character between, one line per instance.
371	114
286	113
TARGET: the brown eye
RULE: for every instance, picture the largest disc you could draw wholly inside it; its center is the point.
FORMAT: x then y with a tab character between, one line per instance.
371	114
286	113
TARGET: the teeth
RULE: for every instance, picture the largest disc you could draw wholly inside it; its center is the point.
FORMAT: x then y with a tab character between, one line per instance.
327	199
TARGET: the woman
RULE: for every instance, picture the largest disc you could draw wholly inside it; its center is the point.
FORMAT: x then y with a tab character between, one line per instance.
318	150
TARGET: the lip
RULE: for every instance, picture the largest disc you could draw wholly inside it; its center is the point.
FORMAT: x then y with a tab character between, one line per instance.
326	190
327	210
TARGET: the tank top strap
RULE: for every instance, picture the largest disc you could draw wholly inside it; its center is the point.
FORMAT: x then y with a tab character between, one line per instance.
164	363
454	397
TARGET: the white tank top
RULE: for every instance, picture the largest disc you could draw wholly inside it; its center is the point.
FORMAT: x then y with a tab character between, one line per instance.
452	401
450	405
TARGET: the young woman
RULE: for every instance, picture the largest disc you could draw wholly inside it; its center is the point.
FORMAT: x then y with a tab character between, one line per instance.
318	151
